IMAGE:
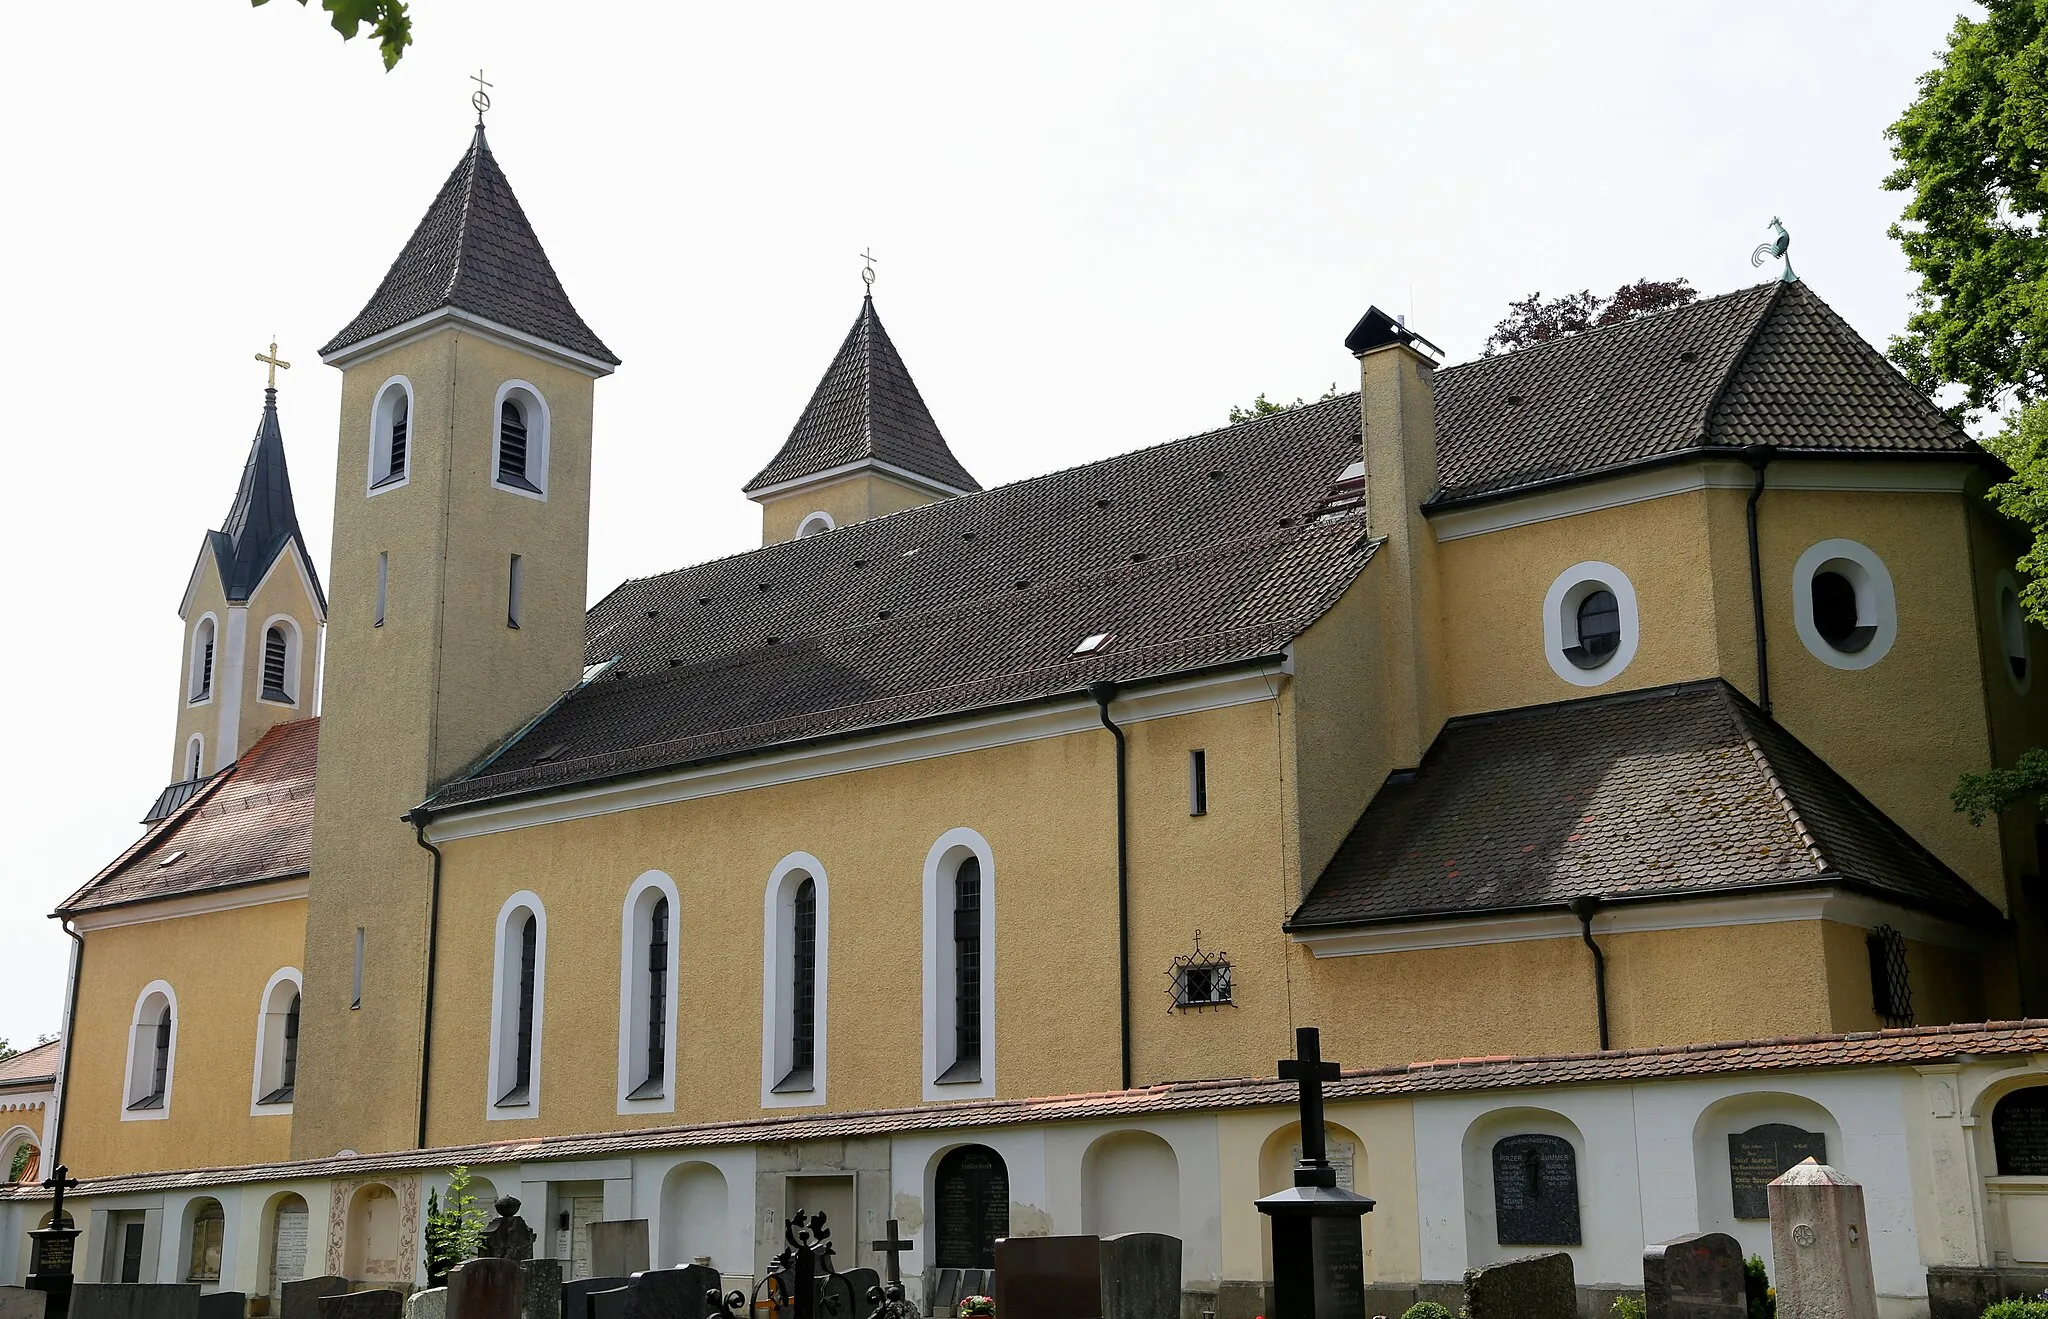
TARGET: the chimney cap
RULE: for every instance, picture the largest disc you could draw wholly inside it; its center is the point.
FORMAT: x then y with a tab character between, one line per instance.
1376	329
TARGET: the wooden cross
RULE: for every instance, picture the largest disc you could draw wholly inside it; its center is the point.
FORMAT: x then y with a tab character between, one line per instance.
271	357
62	1181
1308	1069
892	1247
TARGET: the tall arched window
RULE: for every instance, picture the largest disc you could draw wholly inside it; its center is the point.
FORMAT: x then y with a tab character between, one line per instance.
967	968
516	1008
803	1002
202	659
647	995
195	756
390	434
959	967
511	442
277	1045
152	1053
519	459
276	671
797	916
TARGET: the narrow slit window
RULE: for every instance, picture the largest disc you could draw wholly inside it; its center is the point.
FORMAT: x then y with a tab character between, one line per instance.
522	1058
803	987
1198	782
657	996
160	1061
202	661
195	754
276	649
515	579
383	585
356	1000
967	968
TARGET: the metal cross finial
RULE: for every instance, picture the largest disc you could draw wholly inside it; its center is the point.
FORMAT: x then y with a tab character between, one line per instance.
480	98
1310	1071
272	358
867	272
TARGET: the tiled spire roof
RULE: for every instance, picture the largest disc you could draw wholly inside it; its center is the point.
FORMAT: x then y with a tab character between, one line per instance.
262	518
474	251
866	409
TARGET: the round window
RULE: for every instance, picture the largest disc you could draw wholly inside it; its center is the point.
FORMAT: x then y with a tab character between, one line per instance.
1842	604
1589	623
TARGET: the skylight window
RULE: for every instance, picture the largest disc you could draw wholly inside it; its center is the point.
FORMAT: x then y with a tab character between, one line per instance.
171	860
1089	645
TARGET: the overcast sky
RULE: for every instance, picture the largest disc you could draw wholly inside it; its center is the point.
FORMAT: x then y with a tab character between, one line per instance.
1098	227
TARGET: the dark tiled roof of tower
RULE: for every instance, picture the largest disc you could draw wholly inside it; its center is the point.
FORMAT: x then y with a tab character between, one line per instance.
1676	791
866	407
475	251
1197	554
1770	365
262	518
250	824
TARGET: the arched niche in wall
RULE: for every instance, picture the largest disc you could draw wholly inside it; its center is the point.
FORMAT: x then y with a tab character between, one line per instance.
1740	1144
371	1252
1346	1153
1130	1182
1523	1191
694	1224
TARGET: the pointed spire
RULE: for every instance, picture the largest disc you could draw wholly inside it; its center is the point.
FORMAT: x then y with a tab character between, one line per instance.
866	411
262	518
475	252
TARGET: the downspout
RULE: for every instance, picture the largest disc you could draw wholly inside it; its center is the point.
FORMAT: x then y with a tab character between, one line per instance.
1583	908
64	1066
419	818
1758	458
1104	693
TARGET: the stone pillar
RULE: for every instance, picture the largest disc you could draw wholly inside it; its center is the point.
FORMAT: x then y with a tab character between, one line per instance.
1820	1245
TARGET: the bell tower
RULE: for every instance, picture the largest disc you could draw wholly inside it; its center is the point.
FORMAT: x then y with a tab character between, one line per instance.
461	537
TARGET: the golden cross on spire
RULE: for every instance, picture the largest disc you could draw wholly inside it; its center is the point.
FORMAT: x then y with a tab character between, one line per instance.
272	358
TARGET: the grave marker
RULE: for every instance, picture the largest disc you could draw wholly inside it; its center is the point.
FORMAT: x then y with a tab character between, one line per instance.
618	1247
1694	1277
1759	1156
543	1283
678	1293
890	1247
576	1294
1533	1287
223	1305
375	1303
508	1236
51	1248
427	1303
23	1303
1535	1191
1318	1227
609	1304
487	1289
1049	1278
135	1300
301	1297
1820	1245
2019	1133
1141	1276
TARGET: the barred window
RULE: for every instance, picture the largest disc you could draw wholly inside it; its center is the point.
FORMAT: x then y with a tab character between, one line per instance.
1891	988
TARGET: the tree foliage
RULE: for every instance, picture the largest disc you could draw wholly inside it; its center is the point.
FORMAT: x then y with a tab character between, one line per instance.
7	1050
454	1228
1971	150
1534	320
1265	407
389	22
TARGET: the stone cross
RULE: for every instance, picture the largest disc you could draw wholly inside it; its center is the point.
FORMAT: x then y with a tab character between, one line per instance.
892	1247
1309	1071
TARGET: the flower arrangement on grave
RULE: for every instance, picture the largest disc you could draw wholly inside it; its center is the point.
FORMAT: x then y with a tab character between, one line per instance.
971	1307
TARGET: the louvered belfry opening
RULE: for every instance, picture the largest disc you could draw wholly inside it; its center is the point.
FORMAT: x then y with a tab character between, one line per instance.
276	651
511	444
398	430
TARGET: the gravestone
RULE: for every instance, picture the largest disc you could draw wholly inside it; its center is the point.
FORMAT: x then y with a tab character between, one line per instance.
1535	1191
1317	1226
1533	1287
970	1208
2019	1133
677	1293
508	1236
576	1294
1141	1276
1694	1277
863	1281
1049	1278
608	1304
301	1299
135	1300
946	1293
427	1303
1820	1245
618	1248
23	1303
488	1289
375	1303
543	1283
1758	1156
223	1305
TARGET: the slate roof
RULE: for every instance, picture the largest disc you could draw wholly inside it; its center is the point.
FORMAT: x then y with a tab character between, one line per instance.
33	1066
250	824
1913	1046
262	519
475	251
1680	791
1202	553
866	407
1770	365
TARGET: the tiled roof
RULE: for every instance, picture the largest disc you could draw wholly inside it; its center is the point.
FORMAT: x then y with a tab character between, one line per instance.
250	824
33	1066
1770	365
262	519
1192	555
1909	1047
1672	792
866	408
475	251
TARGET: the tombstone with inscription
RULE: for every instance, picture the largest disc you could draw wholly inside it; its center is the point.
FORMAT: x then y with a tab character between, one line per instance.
1533	1287
1049	1278
1820	1245
2019	1133
51	1248
486	1289
427	1303
679	1293
301	1298
1694	1277
508	1236
618	1247
945	1291
1318	1227
1759	1156
1535	1191
576	1294
970	1208
1141	1276
374	1303
543	1284
135	1300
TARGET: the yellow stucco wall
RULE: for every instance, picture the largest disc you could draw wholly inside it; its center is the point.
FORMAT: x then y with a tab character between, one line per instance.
213	1073
1948	984
200	718
282	591
1336	725
848	499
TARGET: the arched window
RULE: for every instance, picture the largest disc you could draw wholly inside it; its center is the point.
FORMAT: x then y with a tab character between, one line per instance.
647	993
519	458
511	443
814	524
152	1053
1589	623
277	649
390	434
277	1044
516	1008
797	916
208	1233
959	967
195	756
202	660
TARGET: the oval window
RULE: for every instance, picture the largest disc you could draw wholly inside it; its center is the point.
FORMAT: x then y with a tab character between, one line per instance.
1589	623
1599	630
1843	604
1834	611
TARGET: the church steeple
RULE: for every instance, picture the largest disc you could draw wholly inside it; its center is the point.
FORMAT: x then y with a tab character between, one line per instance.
865	444
262	519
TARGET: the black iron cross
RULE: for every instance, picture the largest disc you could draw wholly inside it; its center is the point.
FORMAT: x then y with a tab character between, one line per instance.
1308	1069
893	1247
57	1184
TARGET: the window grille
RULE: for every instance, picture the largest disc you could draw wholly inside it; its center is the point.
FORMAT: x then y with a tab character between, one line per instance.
1200	980
512	446
803	996
967	964
275	649
1891	989
657	994
522	1058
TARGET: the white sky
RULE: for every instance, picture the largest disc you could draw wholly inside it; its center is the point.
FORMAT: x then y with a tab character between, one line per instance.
1099	225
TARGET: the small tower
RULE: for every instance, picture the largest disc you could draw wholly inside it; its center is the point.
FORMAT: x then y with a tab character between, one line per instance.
865	445
461	539
253	614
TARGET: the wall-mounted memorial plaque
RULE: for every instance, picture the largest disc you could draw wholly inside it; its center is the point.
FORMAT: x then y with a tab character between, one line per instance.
970	1208
1535	1191
2019	1133
1342	1156
1759	1156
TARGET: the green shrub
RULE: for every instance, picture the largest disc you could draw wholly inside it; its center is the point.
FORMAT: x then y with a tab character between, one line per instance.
1627	1307
1428	1310
2018	1309
1756	1286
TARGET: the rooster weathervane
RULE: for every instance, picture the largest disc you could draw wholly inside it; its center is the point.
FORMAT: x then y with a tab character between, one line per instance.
1777	247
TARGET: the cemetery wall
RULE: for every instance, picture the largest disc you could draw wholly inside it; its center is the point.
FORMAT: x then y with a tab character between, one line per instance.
217	964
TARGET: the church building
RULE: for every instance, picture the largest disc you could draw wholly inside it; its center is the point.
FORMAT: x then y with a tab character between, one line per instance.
1566	734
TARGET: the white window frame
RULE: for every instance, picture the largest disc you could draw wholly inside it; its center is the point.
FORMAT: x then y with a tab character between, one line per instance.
1561	621
505	1009
778	965
144	1056
380	438
539	425
1876	603
816	522
195	756
294	649
271	1010
2008	588
208	625
941	863
635	927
